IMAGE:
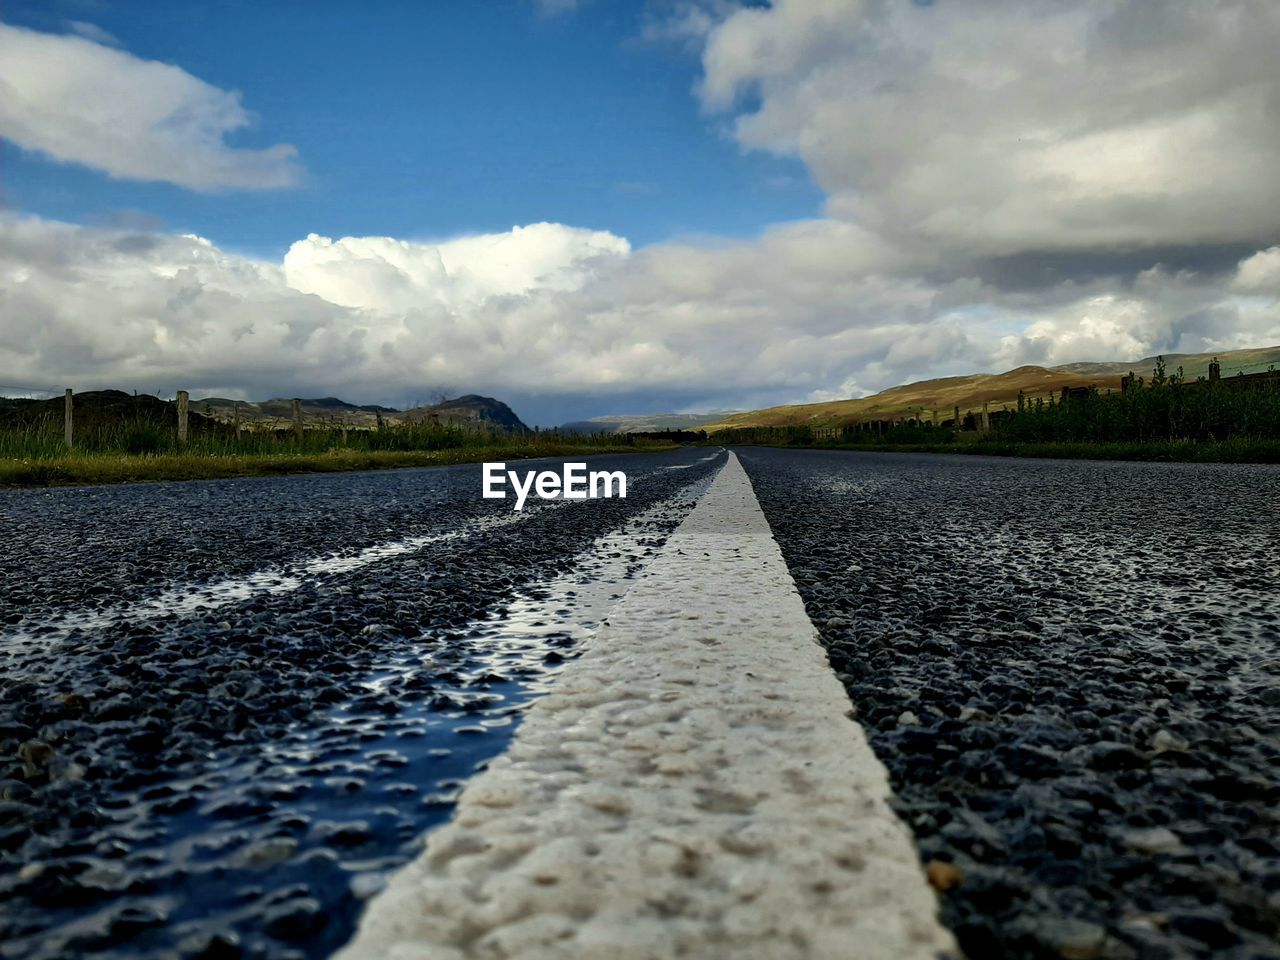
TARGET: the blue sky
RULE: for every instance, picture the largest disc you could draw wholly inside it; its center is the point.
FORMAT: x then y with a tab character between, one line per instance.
428	120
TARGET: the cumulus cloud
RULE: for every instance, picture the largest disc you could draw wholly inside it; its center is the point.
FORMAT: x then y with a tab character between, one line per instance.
541	309
998	126
571	318
1101	327
1261	272
79	101
385	274
686	22
91	31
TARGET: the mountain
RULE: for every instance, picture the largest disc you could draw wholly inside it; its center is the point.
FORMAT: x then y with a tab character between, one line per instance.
91	406
318	410
643	423
470	409
131	420
995	389
330	410
275	413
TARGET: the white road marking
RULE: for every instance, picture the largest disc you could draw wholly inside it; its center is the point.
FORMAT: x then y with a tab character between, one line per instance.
192	599
686	466
189	600
691	787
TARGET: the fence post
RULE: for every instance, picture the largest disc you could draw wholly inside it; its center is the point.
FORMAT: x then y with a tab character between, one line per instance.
235	417
986	418
183	397
67	430
297	419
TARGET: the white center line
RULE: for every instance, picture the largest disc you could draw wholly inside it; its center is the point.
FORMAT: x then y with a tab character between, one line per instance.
188	600
693	786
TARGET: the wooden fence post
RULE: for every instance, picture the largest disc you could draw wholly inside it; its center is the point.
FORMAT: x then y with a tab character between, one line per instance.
235	417
986	418
67	430
297	419
183	398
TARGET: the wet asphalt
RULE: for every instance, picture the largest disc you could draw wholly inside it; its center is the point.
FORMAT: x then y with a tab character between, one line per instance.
1072	673
229	708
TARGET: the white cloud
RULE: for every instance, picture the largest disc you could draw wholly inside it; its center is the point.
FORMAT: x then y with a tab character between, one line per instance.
1260	273
382	273
81	102
996	126
806	311
91	31
1105	327
687	22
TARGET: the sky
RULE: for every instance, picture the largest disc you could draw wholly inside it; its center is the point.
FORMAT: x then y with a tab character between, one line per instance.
602	207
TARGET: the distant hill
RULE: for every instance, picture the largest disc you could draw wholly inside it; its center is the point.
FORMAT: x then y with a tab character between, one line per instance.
105	402
96	409
275	413
470	409
318	410
643	423
996	389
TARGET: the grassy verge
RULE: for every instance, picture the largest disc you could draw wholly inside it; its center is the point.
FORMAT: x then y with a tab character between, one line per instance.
1179	451
93	468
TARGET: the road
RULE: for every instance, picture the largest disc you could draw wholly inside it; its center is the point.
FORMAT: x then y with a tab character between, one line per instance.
232	708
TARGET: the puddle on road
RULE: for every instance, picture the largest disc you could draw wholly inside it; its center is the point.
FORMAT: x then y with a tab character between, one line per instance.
276	845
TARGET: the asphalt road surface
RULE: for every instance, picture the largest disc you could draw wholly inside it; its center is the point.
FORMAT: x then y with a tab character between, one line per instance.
230	709
1072	672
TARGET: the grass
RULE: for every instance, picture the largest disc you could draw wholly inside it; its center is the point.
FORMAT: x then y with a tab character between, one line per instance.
115	467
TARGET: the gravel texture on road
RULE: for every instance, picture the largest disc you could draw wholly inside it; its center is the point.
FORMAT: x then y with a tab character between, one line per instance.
1072	673
229	708
692	786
